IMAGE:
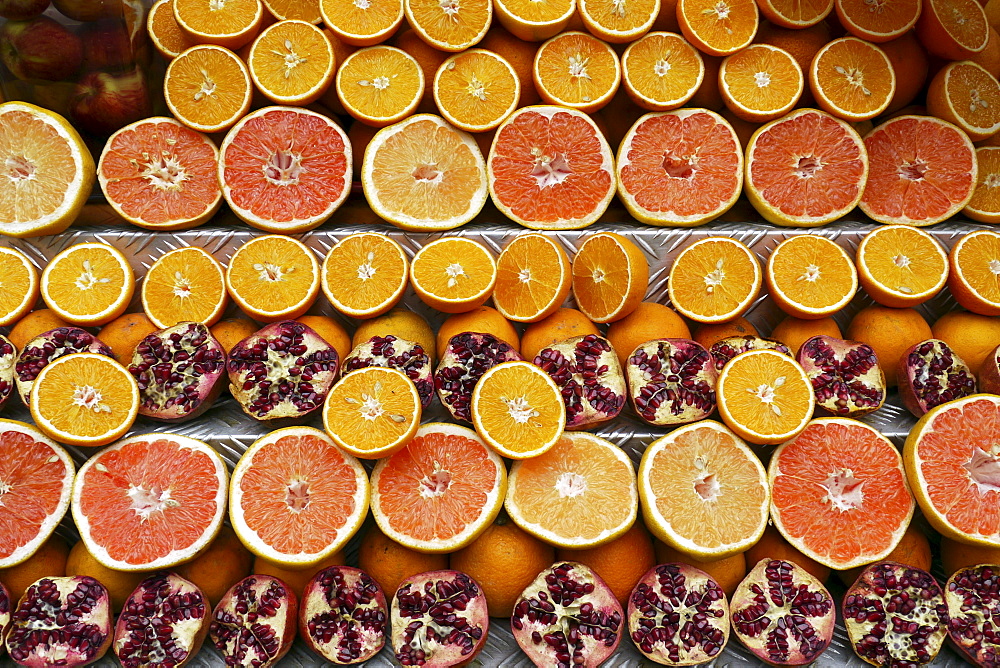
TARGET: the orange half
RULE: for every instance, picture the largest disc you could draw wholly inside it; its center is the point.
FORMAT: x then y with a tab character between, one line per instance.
810	277
718	27
974	279
610	277
984	206
89	283
901	266
533	278
365	274
852	79
714	279
273	278
184	285
20	285
661	71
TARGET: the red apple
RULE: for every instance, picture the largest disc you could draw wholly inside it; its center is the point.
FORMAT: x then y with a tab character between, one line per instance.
105	102
89	10
106	46
22	10
40	49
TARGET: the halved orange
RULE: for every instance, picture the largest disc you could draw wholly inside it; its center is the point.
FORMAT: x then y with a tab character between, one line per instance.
852	79
703	491
36	479
839	493
581	493
49	171
298	10
285	169
450	25
953	29
718	27
150	501
292	62
476	90
379	85
951	458
440	492
984	206
618	22
422	174
164	31
715	279
207	88
161	175
453	274
84	399
362	23
810	277
610	277
534	20
966	94
901	266
760	83
295	498
518	410
88	284
273	278
974	279
534	278
372	412
365	274
186	284
891	19
550	168
19	285
577	70
661	71
765	397
231	24
795	13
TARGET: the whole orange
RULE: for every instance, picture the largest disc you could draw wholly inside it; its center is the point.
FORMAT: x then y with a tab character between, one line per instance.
402	324
728	572
295	579
793	332
120	584
48	561
621	563
230	331
971	336
772	545
124	333
708	333
913	550
223	564
647	322
390	563
955	555
331	331
503	560
484	319
561	325
889	331
34	324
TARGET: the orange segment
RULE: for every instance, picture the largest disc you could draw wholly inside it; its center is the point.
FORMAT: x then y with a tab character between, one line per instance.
922	171
891	19
760	83
852	79
150	501
764	396
439	493
296	498
581	493
184	285
576	70
84	399
681	168
610	277
292	62
975	268
839	493
284	169
703	491
967	95
714	280
534	20
718	27
231	24
661	71
476	90
89	283
810	277
19	285
953	29
453	274
37	478
901	266
160	175
207	88
372	412
796	14
165	32
379	85
533	278
518	410
450	25
551	168
618	22
299	10
985	203
365	274
273	278
362	23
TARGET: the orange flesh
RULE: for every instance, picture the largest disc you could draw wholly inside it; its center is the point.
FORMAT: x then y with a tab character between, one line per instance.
812	271
85	397
87	280
957	457
613	16
904	260
963	20
37	167
290	60
380	82
762	79
365	271
161	173
208	86
16	283
537	11
808	166
542	262
841	490
437	486
919	169
165	31
217	18
974	94
519	409
302	10
688	165
979	261
855	76
127	505
602	266
457	269
284	166
477	88
188	285
459	25
802	12
547	169
362	19
369	427
272	272
987	195
576	69
713	278
664	68
298	493
887	17
766	393
725	26
31	482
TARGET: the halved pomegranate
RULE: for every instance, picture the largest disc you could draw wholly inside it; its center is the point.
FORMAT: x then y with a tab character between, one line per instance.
587	371
343	615
845	375
930	373
973	598
671	381
254	624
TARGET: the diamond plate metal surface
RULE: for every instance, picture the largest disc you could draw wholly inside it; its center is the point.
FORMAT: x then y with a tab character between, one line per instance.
230	431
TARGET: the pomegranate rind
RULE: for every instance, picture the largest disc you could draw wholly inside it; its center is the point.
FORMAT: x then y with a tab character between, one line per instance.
285	617
708	602
831	500
6	607
535	595
59	462
713	137
109	463
314	604
259	544
189	630
973	606
474	609
950	458
908	374
741	472
448	536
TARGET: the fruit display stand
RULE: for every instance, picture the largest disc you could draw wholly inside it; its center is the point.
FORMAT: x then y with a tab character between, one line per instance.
230	431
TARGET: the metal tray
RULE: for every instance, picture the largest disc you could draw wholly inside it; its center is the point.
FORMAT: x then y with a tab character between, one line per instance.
230	431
